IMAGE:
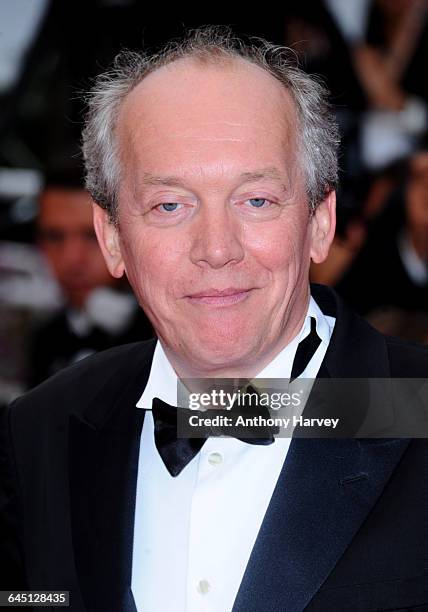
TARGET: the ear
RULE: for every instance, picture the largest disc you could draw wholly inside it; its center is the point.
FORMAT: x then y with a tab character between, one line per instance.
323	226
108	239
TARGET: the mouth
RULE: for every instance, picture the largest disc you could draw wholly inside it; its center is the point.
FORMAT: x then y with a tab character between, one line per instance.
217	298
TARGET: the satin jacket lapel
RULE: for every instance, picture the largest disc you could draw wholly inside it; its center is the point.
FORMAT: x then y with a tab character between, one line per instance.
103	461
326	487
325	491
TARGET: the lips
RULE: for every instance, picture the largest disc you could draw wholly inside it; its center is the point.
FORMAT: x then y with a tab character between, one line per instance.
220	297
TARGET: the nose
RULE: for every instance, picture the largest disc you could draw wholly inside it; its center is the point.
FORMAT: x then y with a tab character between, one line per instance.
217	239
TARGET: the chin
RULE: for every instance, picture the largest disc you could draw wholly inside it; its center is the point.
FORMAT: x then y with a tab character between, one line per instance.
214	354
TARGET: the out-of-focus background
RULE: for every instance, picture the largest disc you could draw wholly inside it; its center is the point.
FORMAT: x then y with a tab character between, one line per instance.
57	302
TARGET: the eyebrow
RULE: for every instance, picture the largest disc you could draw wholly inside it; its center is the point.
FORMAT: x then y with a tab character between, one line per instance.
271	173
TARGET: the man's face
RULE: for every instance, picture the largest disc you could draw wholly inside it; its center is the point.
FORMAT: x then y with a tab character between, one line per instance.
67	238
214	232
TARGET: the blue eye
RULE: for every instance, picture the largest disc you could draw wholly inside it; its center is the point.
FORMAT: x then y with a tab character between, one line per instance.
170	206
257	202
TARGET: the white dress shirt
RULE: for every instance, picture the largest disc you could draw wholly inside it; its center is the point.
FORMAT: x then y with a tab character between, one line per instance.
194	533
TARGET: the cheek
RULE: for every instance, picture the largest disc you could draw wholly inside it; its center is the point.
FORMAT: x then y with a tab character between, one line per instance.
152	265
53	255
281	248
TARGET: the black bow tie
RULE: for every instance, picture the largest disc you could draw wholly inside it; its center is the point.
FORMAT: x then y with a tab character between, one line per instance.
176	453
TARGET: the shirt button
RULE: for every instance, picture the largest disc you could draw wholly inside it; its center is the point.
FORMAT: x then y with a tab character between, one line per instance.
215	458
203	587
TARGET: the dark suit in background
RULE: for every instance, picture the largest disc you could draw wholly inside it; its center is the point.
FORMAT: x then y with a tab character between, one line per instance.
56	345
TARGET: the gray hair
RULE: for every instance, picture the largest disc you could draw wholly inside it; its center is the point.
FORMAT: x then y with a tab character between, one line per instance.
318	136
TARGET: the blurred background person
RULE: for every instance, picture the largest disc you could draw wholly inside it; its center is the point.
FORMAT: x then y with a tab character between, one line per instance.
97	312
372	55
66	236
382	270
391	268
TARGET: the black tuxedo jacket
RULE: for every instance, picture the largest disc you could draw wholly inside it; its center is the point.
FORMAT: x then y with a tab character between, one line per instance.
346	528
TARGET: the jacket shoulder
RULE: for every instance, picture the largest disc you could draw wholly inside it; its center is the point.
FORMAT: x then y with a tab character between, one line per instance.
73	388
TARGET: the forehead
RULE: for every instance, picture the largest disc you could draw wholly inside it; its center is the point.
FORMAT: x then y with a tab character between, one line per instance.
65	208
206	108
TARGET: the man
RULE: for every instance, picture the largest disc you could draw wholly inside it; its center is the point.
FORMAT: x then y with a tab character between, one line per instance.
399	238
213	169
96	315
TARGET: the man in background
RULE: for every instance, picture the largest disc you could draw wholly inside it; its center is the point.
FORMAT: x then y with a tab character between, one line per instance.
98	312
388	280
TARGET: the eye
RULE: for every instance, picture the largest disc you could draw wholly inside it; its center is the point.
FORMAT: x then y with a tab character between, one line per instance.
169	206
257	206
257	202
